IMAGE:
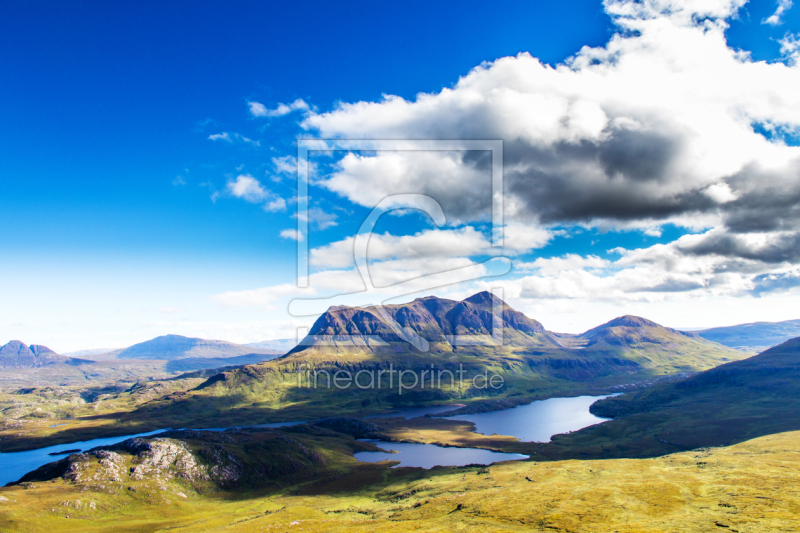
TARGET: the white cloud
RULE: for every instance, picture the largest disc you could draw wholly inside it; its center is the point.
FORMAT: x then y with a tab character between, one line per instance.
257	109
775	18
292	234
319	218
250	190
554	265
231	137
285	165
224	136
260	110
256	297
429	244
274	205
720	193
657	126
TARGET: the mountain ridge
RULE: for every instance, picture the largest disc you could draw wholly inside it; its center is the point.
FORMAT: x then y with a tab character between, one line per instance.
17	354
531	359
174	347
753	335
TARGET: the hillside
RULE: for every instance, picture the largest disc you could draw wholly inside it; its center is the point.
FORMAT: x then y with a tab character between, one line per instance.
171	347
728	404
305	479
756	336
452	329
18	355
532	361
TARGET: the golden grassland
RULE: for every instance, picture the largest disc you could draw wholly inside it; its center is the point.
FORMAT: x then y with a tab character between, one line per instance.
749	487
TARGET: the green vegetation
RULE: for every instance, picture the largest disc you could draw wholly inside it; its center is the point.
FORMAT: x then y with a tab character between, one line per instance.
315	485
726	405
625	354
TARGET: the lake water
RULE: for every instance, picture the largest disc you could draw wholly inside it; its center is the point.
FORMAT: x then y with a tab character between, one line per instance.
537	421
430	455
16	464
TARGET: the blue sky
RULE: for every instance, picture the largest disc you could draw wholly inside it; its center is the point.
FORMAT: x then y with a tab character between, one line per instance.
119	220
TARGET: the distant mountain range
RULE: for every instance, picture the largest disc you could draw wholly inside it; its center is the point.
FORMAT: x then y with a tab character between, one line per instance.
279	345
756	336
172	347
17	354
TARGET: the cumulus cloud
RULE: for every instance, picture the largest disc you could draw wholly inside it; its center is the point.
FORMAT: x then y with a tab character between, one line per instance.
258	109
660	125
251	190
664	124
438	244
775	18
224	136
292	234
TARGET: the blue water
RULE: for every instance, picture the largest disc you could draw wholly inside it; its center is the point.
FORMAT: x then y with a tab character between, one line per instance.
537	421
430	455
16	464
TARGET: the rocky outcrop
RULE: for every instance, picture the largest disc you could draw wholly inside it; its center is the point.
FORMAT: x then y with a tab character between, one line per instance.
161	457
201	460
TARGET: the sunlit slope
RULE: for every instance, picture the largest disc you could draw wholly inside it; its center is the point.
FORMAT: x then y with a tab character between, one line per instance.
748	487
621	351
728	404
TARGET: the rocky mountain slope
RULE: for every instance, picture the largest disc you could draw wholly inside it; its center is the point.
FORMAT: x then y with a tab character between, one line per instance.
531	359
452	329
17	355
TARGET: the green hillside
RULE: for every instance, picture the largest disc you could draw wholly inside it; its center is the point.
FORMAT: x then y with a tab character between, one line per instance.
532	361
725	405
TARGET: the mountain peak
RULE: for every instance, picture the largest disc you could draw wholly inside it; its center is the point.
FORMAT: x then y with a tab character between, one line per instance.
39	350
17	354
483	298
170	347
14	348
630	321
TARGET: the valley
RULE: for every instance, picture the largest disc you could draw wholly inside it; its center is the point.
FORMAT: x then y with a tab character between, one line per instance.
668	401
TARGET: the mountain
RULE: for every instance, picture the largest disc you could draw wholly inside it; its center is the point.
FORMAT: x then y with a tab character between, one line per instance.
731	403
17	354
531	359
279	345
171	347
354	330
755	336
464	328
